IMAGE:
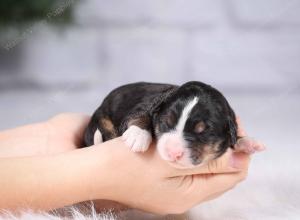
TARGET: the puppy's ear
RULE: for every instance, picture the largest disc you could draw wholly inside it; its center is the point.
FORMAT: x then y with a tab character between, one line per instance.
232	127
160	100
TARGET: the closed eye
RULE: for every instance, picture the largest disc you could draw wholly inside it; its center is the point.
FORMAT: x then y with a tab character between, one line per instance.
199	127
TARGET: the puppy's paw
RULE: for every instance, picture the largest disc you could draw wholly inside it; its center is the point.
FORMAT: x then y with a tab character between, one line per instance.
137	139
248	145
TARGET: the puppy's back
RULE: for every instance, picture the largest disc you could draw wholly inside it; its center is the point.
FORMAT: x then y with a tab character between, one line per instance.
118	105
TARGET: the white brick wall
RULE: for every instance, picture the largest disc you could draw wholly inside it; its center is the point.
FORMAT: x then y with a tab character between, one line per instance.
145	54
263	60
158	12
276	13
111	56
54	56
114	42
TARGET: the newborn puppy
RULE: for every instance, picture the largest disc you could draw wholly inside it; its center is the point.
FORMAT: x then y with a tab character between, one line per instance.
191	124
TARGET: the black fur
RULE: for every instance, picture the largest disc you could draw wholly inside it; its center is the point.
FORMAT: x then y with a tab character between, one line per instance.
157	107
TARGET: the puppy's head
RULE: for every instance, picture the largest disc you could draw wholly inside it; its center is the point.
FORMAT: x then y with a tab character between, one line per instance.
194	125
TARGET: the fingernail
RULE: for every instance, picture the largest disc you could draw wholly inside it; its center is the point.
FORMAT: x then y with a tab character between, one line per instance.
260	147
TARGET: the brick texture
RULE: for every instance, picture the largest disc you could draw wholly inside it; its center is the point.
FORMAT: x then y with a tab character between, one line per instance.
115	42
155	12
268	13
263	60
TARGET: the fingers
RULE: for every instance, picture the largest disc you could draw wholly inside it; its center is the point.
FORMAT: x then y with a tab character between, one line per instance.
74	122
249	145
228	163
71	120
246	144
71	125
216	184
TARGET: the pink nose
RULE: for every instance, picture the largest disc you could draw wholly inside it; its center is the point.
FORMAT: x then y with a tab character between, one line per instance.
175	154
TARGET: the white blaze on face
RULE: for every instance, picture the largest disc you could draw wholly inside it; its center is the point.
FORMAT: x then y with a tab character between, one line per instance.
172	143
185	114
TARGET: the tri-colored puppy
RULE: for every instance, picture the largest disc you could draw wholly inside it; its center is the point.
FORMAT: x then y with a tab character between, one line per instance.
191	124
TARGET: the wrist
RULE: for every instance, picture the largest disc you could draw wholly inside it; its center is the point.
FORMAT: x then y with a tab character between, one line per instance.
98	171
106	170
43	183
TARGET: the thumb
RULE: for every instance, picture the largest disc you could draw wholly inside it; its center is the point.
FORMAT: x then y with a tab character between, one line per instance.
228	163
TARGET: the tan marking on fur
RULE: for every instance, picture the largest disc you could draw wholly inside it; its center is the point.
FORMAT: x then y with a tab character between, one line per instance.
109	126
209	151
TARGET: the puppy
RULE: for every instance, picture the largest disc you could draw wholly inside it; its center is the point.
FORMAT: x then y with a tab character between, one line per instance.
191	124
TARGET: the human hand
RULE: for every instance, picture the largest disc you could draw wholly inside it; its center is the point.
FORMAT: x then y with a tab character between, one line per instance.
59	134
153	185
146	182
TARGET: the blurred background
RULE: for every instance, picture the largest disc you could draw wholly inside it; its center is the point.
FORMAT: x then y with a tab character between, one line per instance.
65	56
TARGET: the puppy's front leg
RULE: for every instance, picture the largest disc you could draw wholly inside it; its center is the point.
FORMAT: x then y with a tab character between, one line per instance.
138	134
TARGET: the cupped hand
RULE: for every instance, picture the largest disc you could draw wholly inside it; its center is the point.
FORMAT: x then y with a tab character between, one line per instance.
144	181
139	180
